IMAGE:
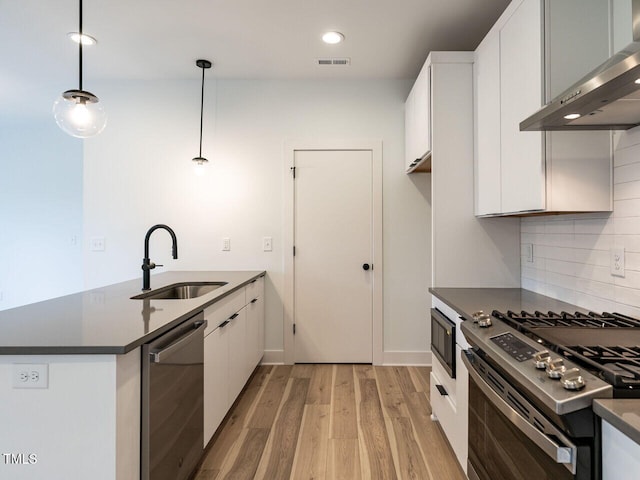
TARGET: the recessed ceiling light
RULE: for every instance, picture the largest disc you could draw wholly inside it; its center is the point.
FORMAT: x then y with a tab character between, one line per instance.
637	81
572	116
86	39
332	38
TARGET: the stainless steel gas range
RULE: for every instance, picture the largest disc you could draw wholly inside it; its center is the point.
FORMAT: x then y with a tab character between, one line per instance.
532	380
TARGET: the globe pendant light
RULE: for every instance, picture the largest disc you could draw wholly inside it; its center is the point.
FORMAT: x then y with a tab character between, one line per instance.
200	161
79	112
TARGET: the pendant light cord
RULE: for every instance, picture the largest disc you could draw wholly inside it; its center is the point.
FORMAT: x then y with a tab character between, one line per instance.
201	110
80	49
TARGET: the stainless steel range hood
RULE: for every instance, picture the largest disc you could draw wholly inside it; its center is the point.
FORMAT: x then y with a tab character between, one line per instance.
608	98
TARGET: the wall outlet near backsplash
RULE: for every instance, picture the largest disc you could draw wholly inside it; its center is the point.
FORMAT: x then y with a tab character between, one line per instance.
616	261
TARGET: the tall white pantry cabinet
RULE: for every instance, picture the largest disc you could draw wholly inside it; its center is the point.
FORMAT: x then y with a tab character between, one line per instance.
466	251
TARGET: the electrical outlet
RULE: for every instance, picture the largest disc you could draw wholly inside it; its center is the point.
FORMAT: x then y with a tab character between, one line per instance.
267	244
226	244
28	375
96	244
527	252
616	261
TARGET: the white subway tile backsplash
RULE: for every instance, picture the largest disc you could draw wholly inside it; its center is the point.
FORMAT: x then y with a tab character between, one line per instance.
594	272
595	289
598	226
593	242
626	190
626	208
631	243
627	225
558	240
560	266
626	173
626	156
591	257
572	252
559	227
631	261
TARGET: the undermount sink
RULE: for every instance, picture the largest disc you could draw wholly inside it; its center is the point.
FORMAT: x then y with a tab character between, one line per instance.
180	291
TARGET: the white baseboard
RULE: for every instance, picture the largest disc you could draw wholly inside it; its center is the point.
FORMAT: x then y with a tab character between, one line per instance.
276	357
407	358
273	357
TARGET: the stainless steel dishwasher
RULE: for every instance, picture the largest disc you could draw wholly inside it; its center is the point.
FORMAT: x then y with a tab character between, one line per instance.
172	402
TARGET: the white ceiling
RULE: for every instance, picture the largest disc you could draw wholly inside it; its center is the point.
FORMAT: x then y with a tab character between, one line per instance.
147	39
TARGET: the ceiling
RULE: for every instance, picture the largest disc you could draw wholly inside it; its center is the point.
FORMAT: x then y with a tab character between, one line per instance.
150	39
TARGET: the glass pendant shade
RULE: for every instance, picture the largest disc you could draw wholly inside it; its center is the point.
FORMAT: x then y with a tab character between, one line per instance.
79	113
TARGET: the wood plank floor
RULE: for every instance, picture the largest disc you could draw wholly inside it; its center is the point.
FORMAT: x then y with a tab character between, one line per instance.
331	422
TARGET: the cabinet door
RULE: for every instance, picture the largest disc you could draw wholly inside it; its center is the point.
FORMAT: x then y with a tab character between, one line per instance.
216	380
522	162
237	354
417	118
422	112
255	331
409	129
486	83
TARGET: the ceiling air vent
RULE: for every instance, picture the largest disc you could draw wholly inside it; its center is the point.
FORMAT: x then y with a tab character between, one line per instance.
336	62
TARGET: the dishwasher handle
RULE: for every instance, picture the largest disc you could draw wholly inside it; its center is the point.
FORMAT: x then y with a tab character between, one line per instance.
160	355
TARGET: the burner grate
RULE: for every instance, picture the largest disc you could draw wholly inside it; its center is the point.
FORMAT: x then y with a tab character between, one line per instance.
565	319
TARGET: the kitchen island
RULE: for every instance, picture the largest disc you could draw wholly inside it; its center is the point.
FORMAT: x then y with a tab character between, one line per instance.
81	356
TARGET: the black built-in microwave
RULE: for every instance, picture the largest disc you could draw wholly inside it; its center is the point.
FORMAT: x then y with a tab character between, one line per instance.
443	341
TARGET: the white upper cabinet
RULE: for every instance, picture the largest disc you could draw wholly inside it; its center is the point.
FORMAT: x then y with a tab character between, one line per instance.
535	50
417	116
486	92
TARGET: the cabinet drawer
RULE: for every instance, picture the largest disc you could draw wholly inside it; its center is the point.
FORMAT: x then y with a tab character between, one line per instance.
223	309
450	421
255	289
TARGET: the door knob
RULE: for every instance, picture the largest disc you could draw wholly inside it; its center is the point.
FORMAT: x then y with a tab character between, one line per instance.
365	266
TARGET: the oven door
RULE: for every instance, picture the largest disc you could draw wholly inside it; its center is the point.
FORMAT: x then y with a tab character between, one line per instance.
443	341
509	439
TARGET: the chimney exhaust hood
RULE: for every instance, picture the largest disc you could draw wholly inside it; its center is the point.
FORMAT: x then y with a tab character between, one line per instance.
608	98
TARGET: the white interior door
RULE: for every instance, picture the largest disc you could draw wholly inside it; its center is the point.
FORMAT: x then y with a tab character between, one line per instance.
333	293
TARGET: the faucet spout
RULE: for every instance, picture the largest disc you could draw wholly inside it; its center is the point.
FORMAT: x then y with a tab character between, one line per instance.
147	264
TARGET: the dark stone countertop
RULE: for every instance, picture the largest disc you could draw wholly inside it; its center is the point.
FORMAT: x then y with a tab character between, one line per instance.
106	320
466	301
622	413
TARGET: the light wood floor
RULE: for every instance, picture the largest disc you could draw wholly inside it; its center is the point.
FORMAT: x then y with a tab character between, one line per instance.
331	422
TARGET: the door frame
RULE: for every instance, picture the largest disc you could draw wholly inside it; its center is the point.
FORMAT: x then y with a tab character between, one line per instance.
290	148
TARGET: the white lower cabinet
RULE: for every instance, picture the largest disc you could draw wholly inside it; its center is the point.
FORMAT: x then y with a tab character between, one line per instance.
620	454
238	361
216	380
450	396
233	346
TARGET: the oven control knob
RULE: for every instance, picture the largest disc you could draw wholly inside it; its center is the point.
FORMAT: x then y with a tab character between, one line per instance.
542	359
482	319
556	368
572	380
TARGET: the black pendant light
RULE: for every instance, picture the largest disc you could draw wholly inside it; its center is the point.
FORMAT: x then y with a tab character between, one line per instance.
79	112
200	161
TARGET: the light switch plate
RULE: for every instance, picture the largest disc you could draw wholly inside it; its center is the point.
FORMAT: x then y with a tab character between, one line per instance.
226	244
616	261
527	252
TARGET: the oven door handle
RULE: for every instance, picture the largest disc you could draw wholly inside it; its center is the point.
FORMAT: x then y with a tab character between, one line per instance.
565	455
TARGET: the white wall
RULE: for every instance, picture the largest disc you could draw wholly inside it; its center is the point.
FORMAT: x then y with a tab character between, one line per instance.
40	211
138	173
572	252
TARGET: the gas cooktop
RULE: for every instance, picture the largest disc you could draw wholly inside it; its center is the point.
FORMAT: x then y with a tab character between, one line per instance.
605	344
